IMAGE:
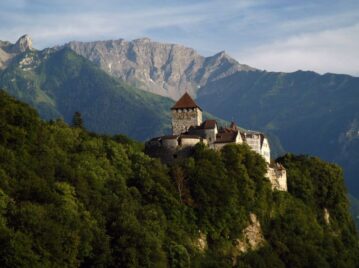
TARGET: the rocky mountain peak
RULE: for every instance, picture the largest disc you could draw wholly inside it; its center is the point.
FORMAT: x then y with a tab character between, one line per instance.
161	68
221	54
23	44
8	50
142	40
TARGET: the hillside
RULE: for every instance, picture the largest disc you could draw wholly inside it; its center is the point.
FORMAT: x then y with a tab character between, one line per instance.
71	198
309	113
164	69
59	83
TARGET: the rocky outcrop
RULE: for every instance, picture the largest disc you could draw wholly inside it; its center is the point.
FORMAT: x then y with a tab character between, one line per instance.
326	216
252	238
8	51
164	69
277	176
23	44
201	243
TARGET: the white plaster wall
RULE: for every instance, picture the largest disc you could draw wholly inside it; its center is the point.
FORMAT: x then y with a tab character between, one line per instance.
254	143
211	134
239	138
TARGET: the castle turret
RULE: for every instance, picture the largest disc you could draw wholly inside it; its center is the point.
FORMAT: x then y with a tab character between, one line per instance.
185	113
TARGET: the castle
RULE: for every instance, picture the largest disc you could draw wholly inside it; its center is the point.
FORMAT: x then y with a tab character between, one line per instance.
188	130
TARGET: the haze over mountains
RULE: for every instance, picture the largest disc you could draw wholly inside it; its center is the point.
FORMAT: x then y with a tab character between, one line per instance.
310	113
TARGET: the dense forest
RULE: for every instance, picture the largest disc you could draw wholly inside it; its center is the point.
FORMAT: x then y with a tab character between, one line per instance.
71	198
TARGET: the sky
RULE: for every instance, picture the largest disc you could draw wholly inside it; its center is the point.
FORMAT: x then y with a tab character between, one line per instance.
276	35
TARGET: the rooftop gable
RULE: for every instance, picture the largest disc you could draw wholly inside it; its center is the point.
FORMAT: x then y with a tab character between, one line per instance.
185	102
209	124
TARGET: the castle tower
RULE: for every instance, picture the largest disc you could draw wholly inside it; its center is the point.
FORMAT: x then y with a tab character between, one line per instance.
185	113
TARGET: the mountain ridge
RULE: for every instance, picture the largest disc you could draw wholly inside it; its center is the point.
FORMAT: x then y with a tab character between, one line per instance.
161	68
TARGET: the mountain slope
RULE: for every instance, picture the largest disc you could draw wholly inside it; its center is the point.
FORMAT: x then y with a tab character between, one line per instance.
165	69
59	83
310	113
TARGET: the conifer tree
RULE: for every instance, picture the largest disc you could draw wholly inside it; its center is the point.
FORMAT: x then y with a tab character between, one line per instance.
77	120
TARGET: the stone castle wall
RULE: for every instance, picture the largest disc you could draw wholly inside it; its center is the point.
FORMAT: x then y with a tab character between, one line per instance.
183	119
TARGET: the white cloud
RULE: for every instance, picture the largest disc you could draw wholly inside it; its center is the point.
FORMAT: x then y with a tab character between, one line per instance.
333	51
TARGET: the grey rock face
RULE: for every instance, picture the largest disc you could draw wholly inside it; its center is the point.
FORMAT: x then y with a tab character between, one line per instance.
23	44
9	51
164	69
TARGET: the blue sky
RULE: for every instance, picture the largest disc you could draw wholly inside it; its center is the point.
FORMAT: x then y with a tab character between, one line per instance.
273	35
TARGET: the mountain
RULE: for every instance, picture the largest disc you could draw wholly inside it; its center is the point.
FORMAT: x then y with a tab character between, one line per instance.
309	113
164	69
59	82
8	51
70	198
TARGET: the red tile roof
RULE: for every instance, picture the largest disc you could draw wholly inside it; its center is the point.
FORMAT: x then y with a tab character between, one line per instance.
209	124
185	102
225	137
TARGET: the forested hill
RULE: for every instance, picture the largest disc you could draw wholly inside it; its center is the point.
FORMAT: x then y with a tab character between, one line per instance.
70	198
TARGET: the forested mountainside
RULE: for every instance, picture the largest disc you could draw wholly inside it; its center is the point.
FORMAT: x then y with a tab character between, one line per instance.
310	113
70	198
